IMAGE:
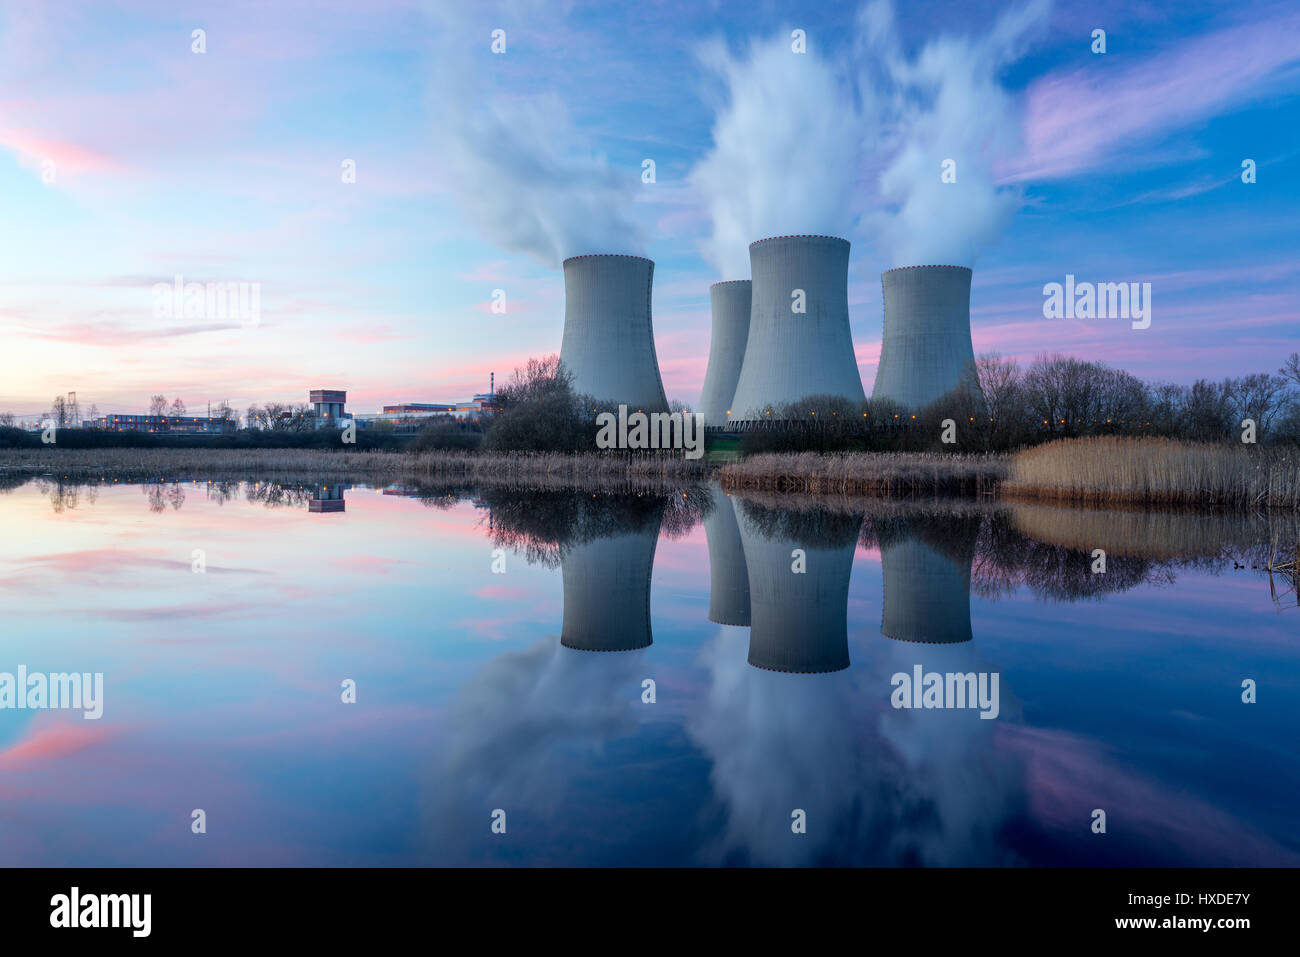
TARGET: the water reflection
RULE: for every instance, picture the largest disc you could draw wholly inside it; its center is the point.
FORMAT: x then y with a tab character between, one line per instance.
773	684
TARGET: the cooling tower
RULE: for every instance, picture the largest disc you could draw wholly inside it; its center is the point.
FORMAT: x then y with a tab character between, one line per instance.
609	343
728	576
926	347
731	304
607	591
927	587
798	619
791	354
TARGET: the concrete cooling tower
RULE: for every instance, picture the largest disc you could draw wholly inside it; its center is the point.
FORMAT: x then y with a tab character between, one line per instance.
609	343
926	592
791	354
728	576
798	620
731	302
607	591
926	348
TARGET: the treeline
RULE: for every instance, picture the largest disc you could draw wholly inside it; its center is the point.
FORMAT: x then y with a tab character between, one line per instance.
1002	406
537	410
366	440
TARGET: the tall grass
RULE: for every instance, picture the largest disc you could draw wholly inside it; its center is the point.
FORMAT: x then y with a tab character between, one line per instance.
1150	471
867	473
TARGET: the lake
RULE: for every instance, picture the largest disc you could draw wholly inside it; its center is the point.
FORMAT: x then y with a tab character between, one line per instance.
338	674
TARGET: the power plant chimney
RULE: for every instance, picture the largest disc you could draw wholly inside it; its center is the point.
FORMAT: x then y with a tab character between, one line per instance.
799	340
731	301
926	349
608	343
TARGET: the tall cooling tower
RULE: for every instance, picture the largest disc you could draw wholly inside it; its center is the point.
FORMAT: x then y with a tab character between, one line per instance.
926	347
927	588
792	354
607	591
798	619
731	304
609	343
728	576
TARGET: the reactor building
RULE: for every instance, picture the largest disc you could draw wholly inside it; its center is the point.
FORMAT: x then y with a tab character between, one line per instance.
609	344
731	302
799	341
926	348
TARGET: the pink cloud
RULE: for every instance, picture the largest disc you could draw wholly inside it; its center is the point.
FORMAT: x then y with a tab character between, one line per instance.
1085	118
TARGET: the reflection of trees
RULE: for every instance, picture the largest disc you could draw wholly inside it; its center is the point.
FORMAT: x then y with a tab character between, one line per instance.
1048	549
279	495
807	527
162	494
66	494
544	524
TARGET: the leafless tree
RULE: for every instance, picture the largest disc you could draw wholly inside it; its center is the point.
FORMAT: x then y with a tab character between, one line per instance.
158	405
177	407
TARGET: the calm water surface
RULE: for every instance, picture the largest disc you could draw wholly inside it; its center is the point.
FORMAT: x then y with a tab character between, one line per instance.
521	688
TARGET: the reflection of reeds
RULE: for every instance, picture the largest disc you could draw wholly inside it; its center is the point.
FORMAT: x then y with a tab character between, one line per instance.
865	473
1111	470
557	470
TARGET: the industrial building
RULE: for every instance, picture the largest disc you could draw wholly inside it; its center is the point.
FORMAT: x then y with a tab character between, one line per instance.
168	424
926	348
608	344
731	302
329	406
799	341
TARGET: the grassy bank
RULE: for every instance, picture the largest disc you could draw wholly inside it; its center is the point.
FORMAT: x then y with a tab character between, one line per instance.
867	473
1144	471
1089	471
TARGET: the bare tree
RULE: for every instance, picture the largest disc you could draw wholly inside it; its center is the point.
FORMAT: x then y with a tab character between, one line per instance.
1258	396
59	412
7	420
256	418
1291	368
158	405
177	407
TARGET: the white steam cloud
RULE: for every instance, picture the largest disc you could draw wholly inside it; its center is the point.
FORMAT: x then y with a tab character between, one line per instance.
516	163
784	150
942	111
795	142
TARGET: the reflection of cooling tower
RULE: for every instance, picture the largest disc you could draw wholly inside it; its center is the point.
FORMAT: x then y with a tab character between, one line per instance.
790	355
798	621
926	348
927	594
608	340
728	577
731	304
607	591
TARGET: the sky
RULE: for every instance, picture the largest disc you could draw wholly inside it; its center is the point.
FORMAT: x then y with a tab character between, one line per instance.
128	159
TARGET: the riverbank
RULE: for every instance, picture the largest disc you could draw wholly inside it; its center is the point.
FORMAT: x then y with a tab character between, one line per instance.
1091	471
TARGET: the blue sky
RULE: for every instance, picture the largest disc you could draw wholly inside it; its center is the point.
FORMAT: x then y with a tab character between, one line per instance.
127	159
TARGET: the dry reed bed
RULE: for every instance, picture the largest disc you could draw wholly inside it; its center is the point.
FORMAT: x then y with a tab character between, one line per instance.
1147	471
866	473
534	470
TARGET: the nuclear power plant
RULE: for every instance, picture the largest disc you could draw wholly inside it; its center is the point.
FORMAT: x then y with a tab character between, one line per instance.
607	590
728	575
731	302
926	347
926	588
798	590
608	343
799	341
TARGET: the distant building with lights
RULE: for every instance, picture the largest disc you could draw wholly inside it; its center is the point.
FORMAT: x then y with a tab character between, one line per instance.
167	424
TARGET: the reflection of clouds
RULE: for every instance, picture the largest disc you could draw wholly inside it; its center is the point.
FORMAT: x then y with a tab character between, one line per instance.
880	786
514	736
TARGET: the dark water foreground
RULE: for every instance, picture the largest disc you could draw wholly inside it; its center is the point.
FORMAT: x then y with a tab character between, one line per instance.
505	647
